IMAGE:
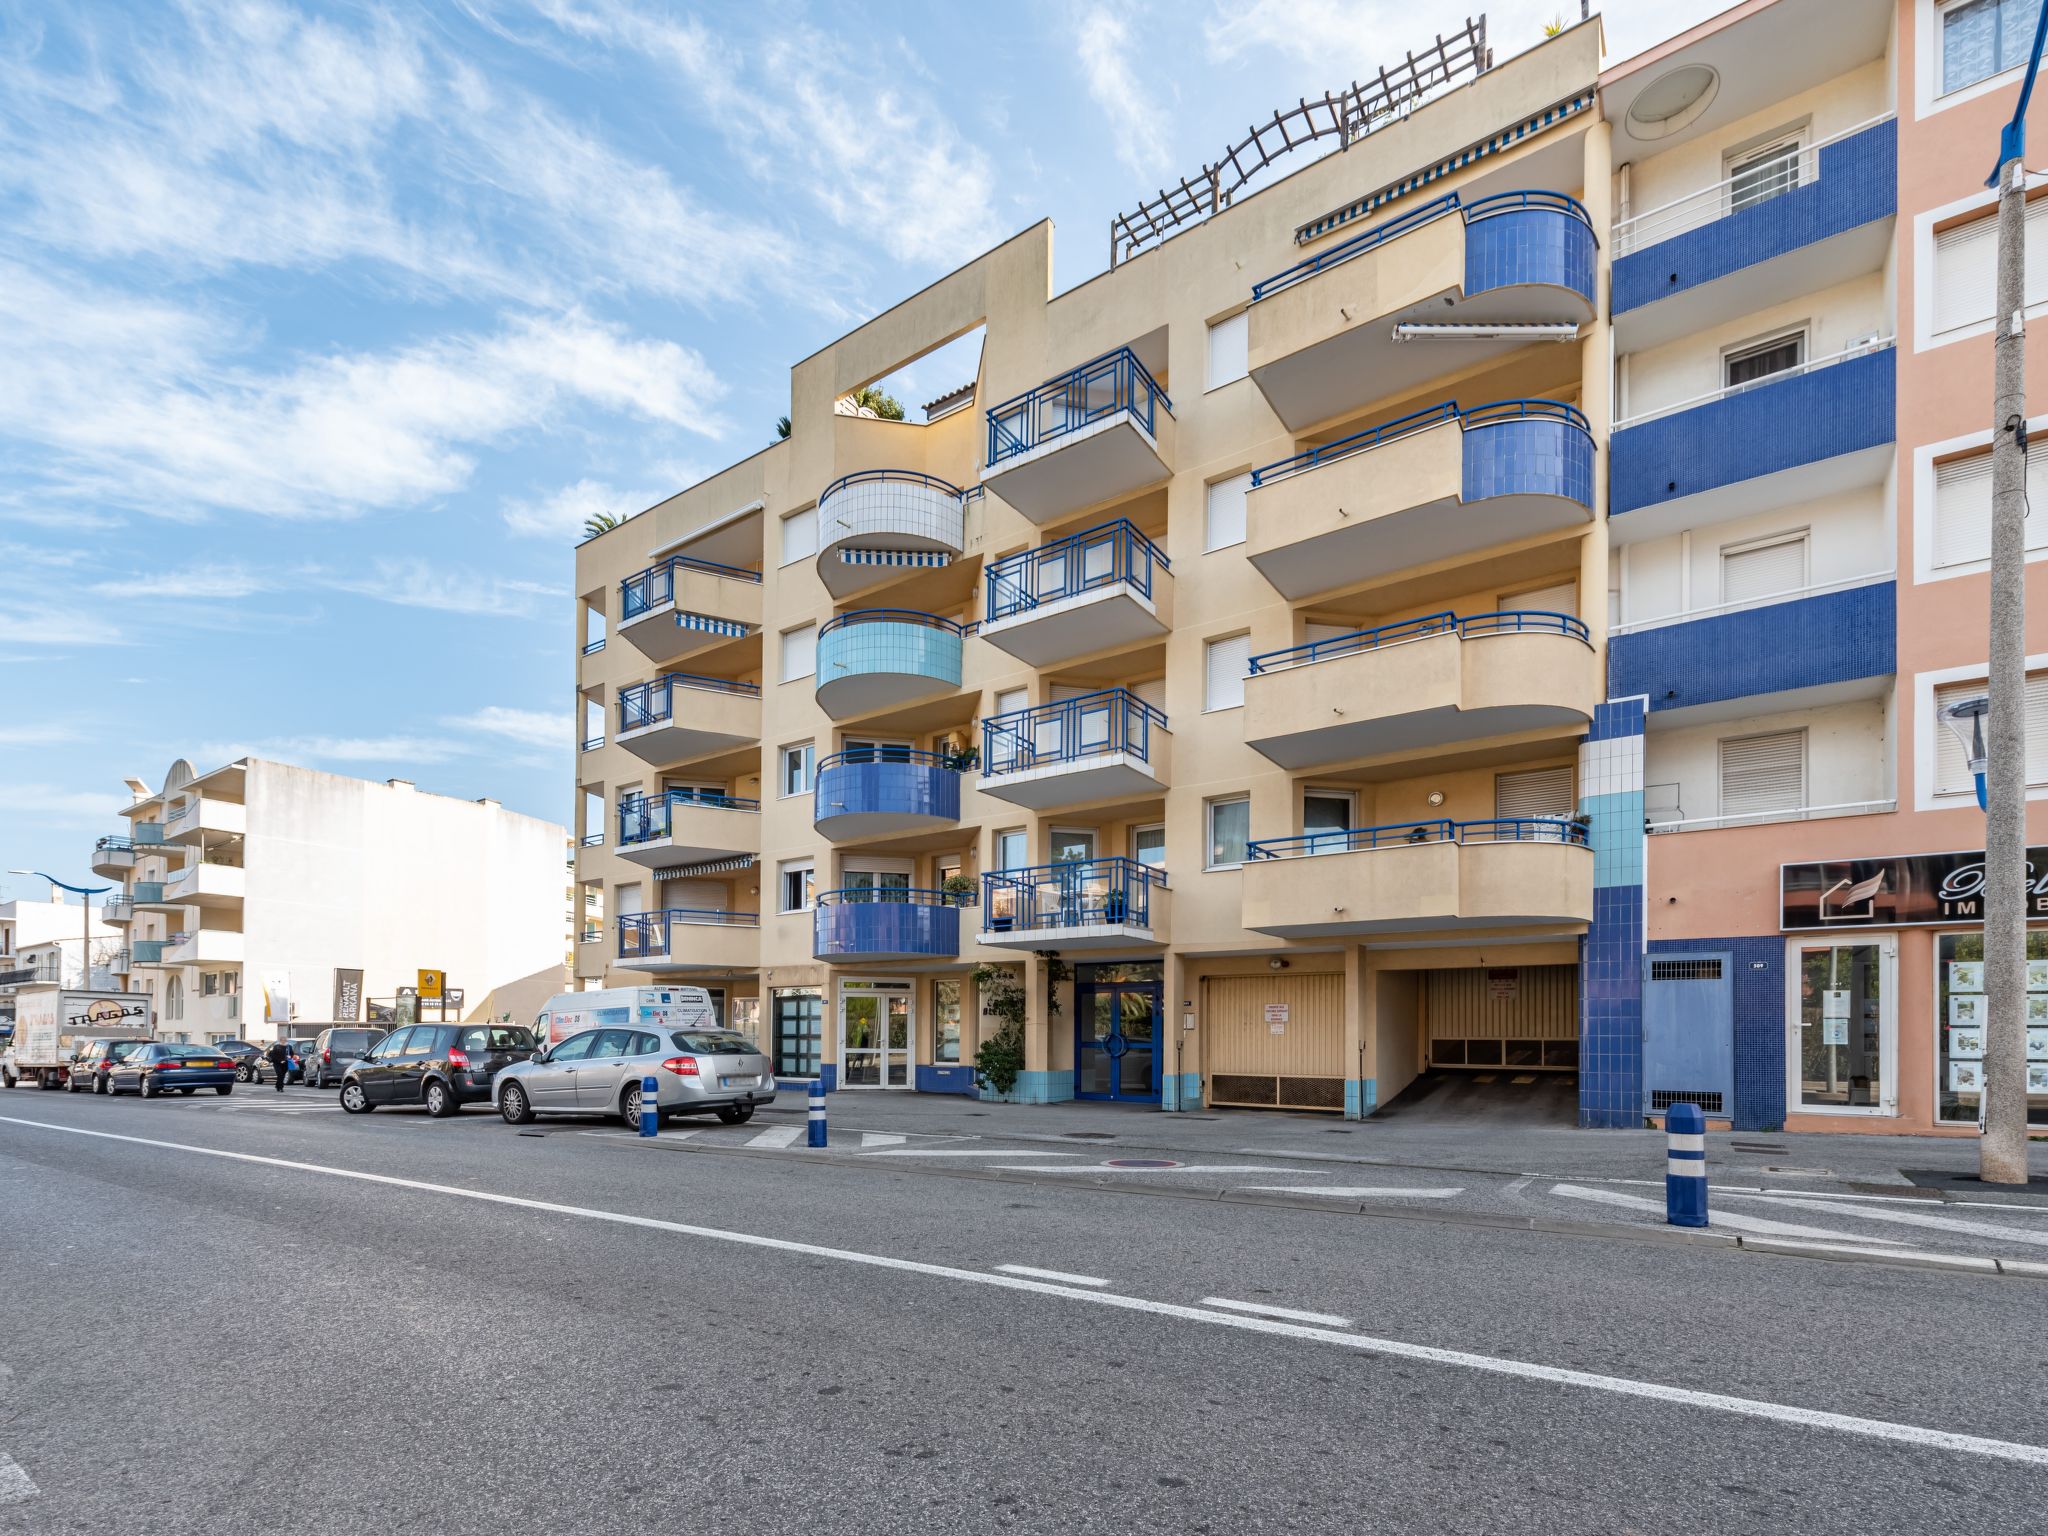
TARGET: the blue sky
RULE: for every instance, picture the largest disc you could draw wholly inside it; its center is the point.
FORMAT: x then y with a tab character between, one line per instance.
322	328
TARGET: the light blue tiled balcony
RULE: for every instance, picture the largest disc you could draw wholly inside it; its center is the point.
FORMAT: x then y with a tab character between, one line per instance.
871	790
885	925
878	658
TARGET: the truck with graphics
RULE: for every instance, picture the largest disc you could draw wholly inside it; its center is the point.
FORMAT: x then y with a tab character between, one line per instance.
51	1022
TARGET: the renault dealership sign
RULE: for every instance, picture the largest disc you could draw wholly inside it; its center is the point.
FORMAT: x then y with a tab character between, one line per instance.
1904	891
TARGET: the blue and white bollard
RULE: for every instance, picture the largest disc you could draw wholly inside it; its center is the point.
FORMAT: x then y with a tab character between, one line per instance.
1685	1166
650	1105
817	1122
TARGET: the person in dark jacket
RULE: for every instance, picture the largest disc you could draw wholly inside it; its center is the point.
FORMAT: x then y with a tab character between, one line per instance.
279	1056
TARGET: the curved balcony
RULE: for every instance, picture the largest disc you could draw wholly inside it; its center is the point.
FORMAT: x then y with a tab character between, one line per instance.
678	939
891	925
876	524
1448	284
1111	903
1424	487
117	910
1091	591
683	605
1417	877
871	791
681	715
687	826
113	857
1097	746
1095	434
877	658
1425	683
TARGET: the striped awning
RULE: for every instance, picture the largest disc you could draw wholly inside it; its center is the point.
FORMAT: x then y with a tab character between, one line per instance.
928	559
710	625
707	867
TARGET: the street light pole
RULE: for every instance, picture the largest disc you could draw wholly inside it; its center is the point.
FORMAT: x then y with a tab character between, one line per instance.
85	895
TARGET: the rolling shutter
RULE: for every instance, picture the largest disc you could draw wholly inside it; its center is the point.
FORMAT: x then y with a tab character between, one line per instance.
1966	268
1763	773
1536	792
1962	508
1224	670
799	652
1763	569
1563	598
1223	523
1952	766
800	535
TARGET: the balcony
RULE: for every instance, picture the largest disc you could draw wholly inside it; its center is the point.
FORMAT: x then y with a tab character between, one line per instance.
1092	591
885	925
682	606
681	715
1759	238
1823	427
1427	682
873	791
878	658
690	939
202	817
1424	487
1836	639
148	895
148	834
687	826
1446	285
878	524
1099	433
1092	904
113	857
1110	745
205	946
1420	877
145	952
207	885
117	910
121	961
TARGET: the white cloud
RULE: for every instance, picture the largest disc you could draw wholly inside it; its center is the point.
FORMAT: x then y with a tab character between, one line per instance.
419	583
315	751
29	621
1103	40
533	727
39	734
559	514
210	583
54	803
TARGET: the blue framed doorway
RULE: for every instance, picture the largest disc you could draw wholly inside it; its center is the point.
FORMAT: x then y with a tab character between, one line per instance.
1119	1018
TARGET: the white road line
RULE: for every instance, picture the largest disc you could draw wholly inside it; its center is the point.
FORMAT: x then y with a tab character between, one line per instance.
881	1139
1831	1194
1059	1275
15	1484
1099	1168
1754	1224
1622	1386
1285	1314
1314	1157
968	1152
777	1136
1915	1219
1355	1194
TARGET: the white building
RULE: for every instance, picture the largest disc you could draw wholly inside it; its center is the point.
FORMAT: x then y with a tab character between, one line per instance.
258	893
44	938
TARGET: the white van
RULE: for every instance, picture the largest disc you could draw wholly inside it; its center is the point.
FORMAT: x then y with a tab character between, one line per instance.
663	1007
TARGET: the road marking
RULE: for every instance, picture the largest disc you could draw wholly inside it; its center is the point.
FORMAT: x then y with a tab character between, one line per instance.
1051	1274
1285	1314
1105	1168
1754	1224
1621	1386
1313	1157
969	1152
777	1136
1355	1194
15	1484
881	1139
1915	1219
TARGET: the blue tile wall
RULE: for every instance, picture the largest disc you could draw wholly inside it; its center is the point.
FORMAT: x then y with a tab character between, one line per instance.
884	645
1528	456
1611	1004
949	1079
1036	1088
910	789
1361	1097
1529	245
1807	419
1858	182
1180	1091
828	1074
851	930
1832	637
1759	1024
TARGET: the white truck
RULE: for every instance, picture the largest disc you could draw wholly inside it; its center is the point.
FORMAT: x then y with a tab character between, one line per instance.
50	1022
663	1007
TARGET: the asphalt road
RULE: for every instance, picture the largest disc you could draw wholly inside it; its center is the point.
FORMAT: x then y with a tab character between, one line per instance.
478	1329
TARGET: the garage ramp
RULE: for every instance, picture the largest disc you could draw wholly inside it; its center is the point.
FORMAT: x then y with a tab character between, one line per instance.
1495	1098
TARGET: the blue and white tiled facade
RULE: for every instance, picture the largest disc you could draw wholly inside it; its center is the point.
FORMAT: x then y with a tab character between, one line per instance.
1528	456
1536	244
1611	954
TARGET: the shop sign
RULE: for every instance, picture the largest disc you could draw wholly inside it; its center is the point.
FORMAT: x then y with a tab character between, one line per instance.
1917	889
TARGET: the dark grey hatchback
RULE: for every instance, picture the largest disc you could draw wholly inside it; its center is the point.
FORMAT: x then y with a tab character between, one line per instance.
440	1066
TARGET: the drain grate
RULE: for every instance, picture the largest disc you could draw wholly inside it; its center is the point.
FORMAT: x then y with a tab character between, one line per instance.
1756	1146
1089	1135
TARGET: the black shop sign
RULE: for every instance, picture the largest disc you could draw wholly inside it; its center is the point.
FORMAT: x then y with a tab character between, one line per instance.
1910	890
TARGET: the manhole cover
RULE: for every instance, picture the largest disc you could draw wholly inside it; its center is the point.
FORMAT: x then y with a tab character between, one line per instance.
1089	1135
1141	1162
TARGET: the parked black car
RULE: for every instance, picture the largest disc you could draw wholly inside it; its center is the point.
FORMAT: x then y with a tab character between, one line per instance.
245	1056
158	1068
335	1050
443	1066
94	1059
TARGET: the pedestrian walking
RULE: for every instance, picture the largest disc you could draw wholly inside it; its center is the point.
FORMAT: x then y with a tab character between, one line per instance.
279	1056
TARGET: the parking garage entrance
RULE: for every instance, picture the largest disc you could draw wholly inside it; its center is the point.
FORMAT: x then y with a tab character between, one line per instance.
1519	1018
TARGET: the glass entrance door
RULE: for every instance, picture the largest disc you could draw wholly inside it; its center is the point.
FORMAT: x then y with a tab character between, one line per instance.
1841	1054
1116	1040
874	1034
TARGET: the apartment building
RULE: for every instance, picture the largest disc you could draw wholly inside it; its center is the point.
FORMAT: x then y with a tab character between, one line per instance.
40	941
1478	602
260	899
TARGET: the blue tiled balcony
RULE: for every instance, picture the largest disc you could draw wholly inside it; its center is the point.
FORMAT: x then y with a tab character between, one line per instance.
891	925
1822	215
1825	426
867	791
1808	642
877	658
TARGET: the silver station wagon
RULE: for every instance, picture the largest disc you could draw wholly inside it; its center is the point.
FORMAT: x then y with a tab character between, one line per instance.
600	1071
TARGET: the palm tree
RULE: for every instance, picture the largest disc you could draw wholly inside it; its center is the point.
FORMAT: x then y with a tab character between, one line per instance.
782	426
599	522
868	398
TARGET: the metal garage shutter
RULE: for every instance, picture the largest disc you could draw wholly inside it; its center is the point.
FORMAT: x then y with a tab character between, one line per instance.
1763	773
1536	792
1301	1067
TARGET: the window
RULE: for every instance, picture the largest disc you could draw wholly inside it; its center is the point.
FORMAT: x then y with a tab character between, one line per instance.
945	1020
1230	828
1012	849
878	884
1759	360
1982	38
794	1017
1952	767
1533	792
392	1046
799	536
1148	846
793	881
1962	508
746	1019
1224	663
1763	567
1966	268
1761	774
420	1044
1228	339
1223	522
575	1048
799	652
1760	174
1073	845
1327	811
209	983
1562	598
796	769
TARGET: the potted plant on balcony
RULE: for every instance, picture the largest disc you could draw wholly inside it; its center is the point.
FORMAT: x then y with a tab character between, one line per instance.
1114	906
963	760
959	887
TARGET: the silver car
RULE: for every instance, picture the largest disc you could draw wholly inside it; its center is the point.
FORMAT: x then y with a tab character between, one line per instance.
599	1072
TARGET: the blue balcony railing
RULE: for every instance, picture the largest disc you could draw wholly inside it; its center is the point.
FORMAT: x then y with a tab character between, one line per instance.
646	704
1552	204
1115	554
1530	622
657	584
1090	725
1084	894
1095	391
1493	414
114	845
149	834
647	818
1501	829
148	951
868	921
868	476
149	892
649	935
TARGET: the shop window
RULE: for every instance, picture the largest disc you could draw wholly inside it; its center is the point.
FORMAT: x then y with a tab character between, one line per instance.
795	1018
945	1020
1960	1017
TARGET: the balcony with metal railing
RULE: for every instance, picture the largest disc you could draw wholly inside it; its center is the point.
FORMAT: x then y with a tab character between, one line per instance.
1108	745
680	939
1447	284
148	895
121	961
1419	685
204	946
1424	487
1090	591
682	605
879	658
878	525
113	857
1091	904
681	715
1097	433
118	910
871	791
147	952
687	826
207	884
880	924
201	819
1421	877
